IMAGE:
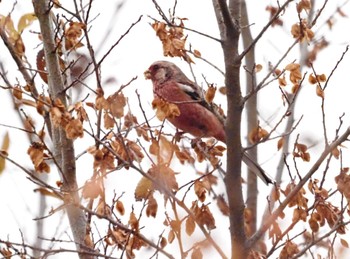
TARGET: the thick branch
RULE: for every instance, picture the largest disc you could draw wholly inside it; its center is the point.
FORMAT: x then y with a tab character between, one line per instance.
63	147
229	31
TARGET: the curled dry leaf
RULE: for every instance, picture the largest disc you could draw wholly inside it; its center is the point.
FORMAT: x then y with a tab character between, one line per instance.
302	32
116	104
164	109
38	156
143	189
210	94
92	189
120	207
197	253
74	129
200	190
73	34
173	39
152	207
258	68
164	176
303	5
300	150
133	222
203	215
273	10
280	143
190	225
289	250
257	134
4	151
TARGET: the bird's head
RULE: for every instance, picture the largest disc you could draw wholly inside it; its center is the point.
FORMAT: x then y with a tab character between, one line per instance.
161	71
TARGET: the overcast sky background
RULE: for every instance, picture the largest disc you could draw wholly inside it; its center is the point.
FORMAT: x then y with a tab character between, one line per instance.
133	56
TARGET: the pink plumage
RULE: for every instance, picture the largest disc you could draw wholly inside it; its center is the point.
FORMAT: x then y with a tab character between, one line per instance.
196	117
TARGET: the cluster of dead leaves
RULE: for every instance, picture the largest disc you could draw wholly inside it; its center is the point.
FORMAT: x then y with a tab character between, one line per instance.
72	41
257	134
113	107
124	240
317	80
301	150
273	10
61	117
289	250
294	76
164	109
173	39
208	151
302	32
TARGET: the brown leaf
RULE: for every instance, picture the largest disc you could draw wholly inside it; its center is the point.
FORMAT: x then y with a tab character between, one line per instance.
210	94
257	134
117	102
4	151
37	155
258	68
74	129
92	189
143	189
152	207
171	236
120	207
190	225
196	53
319	91
197	253
200	190
344	243
280	143
25	21
133	222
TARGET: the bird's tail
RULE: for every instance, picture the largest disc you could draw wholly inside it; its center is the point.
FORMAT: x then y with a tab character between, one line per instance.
257	169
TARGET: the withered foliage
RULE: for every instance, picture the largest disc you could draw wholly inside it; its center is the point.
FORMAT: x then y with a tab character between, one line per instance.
173	39
179	181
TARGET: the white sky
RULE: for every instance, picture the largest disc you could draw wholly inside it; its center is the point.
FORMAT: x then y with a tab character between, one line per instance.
133	56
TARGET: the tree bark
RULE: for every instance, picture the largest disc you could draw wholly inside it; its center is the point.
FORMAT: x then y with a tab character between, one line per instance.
228	18
252	118
63	147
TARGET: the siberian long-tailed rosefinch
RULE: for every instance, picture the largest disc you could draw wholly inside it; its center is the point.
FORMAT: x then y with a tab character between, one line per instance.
197	117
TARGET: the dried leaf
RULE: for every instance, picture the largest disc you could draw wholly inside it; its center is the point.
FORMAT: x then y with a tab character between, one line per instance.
210	94
143	189
197	253
133	222
4	150
258	68
190	225
152	207
74	129
344	243
280	143
120	207
25	21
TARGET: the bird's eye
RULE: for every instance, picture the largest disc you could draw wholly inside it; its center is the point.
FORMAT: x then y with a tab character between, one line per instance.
155	67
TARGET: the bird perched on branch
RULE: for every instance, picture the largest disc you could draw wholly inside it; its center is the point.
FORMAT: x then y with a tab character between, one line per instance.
196	116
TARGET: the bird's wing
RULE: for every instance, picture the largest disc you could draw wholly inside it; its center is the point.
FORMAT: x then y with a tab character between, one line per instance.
197	94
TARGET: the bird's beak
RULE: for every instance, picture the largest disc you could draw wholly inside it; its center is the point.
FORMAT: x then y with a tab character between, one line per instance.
147	74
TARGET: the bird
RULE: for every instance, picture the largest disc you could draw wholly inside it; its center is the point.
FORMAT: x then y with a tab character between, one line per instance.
197	117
